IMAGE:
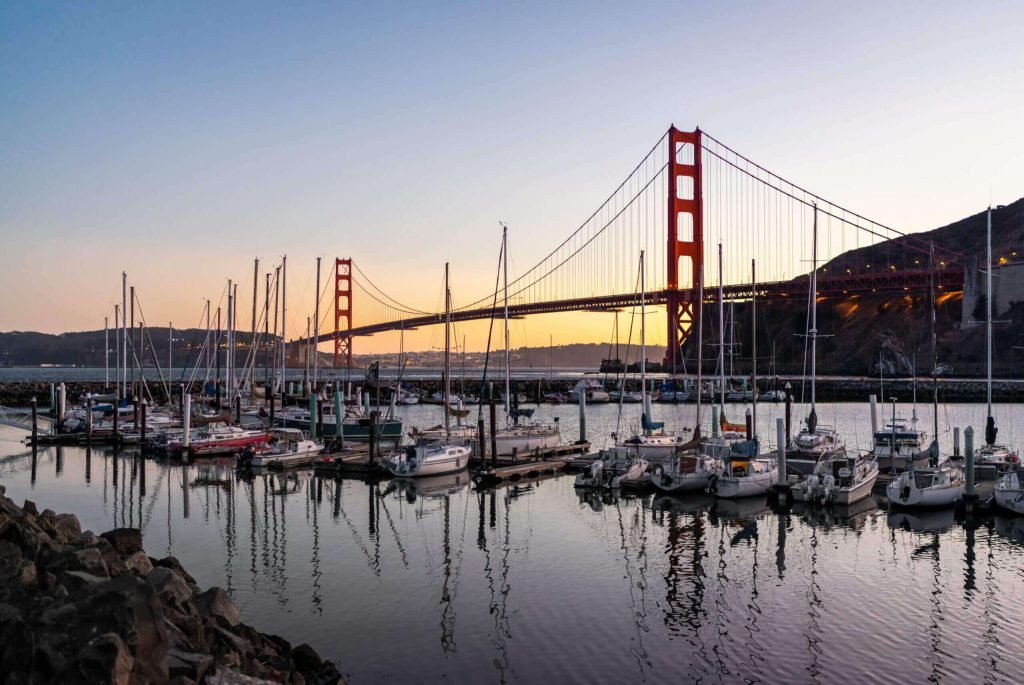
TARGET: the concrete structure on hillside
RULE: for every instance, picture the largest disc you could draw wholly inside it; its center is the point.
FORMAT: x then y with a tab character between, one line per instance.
1007	288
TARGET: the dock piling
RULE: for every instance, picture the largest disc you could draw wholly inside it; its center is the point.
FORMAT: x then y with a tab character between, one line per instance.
873	401
789	412
715	424
143	424
313	408
583	414
186	424
88	421
339	419
494	434
780	437
969	454
956	441
373	438
62	399
35	421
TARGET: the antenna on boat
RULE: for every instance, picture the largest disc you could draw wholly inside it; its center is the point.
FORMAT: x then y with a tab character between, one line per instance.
447	342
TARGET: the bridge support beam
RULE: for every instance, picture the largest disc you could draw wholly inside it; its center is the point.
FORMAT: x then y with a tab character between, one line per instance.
343	310
685	248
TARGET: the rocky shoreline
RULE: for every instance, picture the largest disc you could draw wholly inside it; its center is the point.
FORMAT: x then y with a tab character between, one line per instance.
76	607
20	394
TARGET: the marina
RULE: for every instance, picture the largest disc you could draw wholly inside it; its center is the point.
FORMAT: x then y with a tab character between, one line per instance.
469	574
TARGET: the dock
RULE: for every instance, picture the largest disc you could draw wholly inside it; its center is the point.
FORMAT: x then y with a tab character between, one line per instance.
354	461
515	472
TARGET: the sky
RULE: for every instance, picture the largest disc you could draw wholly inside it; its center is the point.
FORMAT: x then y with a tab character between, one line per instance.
179	141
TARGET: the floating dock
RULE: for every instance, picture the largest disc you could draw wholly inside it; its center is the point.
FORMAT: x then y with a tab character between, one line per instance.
515	472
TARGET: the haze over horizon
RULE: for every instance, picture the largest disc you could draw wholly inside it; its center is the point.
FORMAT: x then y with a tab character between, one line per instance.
179	142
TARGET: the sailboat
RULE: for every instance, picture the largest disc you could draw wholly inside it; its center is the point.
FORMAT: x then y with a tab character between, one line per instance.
942	484
691	470
992	458
899	446
815	441
434	456
652	442
745	472
518	437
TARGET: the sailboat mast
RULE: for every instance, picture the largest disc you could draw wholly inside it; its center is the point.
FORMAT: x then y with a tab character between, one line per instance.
255	294
721	331
988	312
935	359
504	253
284	307
447	343
316	327
106	353
753	346
643	338
124	333
814	307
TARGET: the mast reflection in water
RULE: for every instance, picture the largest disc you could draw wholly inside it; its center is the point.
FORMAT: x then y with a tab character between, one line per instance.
434	580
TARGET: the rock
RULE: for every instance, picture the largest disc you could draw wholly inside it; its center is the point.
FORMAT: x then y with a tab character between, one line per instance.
28	573
218	603
68	525
75	580
10	553
187	664
92	561
115	565
170	586
106	659
175	565
227	676
30	508
139	562
306	660
126	541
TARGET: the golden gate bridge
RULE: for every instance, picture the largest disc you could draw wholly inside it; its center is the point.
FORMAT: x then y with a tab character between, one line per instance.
688	191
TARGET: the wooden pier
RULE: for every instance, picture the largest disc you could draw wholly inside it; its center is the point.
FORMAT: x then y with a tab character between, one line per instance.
515	472
353	462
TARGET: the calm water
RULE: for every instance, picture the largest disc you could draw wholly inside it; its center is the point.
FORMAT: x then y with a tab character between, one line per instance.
535	583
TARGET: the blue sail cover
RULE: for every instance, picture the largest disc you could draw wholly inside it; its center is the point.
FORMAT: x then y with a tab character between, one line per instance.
649	425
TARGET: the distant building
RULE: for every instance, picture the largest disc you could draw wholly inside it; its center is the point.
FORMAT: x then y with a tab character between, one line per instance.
1007	288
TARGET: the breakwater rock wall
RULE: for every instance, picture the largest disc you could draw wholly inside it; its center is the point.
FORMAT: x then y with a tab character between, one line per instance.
76	607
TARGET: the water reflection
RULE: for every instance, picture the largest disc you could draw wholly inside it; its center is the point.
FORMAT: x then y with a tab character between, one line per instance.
519	582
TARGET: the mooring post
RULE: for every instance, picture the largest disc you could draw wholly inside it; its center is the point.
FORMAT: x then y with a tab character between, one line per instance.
116	437
515	455
715	423
494	433
88	420
366	403
186	426
270	401
748	419
956	441
62	398
238	410
53	400
583	414
482	439
873	401
780	438
320	418
339	418
143	414
35	421
373	436
313	407
969	454
788	413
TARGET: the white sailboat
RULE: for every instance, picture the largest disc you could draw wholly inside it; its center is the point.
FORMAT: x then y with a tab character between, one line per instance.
992	458
942	484
691	470
746	472
516	437
1009	491
434	457
815	441
652	442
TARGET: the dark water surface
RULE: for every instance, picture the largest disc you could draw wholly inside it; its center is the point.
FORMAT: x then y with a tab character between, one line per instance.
438	582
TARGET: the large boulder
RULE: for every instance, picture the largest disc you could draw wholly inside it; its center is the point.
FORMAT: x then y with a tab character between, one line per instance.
126	541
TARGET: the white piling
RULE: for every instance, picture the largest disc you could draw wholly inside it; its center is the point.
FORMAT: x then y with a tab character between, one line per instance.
186	423
780	440
874	415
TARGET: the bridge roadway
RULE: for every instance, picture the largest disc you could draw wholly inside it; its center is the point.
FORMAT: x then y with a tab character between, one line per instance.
949	279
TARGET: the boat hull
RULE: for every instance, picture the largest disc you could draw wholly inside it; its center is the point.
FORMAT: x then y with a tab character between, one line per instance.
354	432
522	444
924	497
729	487
432	467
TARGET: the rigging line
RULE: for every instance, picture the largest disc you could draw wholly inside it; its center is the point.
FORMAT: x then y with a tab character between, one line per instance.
794	185
589	219
578	249
906	236
384	294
